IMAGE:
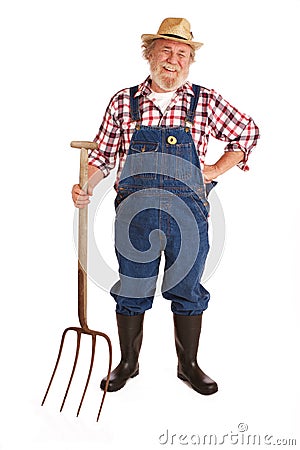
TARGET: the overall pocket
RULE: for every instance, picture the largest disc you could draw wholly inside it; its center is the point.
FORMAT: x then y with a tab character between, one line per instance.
180	166
143	159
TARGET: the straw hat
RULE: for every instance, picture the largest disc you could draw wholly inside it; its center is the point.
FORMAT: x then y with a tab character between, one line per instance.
174	29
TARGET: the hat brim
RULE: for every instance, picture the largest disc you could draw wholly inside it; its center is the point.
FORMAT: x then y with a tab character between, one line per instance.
193	44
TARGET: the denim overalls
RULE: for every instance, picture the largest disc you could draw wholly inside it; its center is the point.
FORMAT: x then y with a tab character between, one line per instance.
161	206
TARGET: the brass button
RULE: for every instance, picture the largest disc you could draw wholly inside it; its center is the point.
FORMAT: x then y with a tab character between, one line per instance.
172	140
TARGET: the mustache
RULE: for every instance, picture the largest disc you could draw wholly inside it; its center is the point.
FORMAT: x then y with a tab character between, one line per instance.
170	67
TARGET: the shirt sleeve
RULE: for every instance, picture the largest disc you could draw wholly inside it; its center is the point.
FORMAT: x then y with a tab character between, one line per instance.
108	140
230	125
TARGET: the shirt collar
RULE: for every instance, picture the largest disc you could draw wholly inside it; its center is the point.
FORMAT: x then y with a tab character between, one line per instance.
145	90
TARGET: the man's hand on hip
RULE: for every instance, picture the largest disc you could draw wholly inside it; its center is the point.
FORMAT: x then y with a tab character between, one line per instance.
227	161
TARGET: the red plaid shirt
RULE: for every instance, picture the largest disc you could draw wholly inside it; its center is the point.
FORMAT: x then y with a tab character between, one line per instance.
214	116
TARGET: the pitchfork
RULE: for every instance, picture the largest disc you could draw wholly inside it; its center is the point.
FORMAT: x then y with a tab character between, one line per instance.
82	291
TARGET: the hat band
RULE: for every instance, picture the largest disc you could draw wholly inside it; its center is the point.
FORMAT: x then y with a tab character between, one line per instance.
175	36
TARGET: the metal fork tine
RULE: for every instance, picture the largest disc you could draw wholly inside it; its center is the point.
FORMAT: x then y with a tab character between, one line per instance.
90	372
108	372
56	364
74	367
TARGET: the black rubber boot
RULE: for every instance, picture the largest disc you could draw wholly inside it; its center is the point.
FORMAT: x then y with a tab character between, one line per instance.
130	329
187	333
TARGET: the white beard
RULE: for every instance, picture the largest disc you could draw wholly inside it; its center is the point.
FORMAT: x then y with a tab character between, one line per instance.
168	81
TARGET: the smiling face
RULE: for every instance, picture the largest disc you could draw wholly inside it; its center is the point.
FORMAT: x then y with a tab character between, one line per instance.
169	64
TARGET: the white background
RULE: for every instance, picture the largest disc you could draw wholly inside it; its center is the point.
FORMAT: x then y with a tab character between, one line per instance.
61	61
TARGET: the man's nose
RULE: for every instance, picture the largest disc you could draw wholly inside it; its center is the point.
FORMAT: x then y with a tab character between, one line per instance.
172	58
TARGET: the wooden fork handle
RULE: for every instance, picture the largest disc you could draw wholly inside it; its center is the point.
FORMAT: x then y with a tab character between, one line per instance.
84	144
83	232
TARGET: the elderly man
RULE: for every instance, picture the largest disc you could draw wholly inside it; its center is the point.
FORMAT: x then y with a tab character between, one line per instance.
159	131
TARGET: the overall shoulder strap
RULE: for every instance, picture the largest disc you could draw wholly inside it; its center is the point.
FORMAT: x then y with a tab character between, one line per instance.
194	102
134	104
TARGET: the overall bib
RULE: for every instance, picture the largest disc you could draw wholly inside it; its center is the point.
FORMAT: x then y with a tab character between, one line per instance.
161	206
